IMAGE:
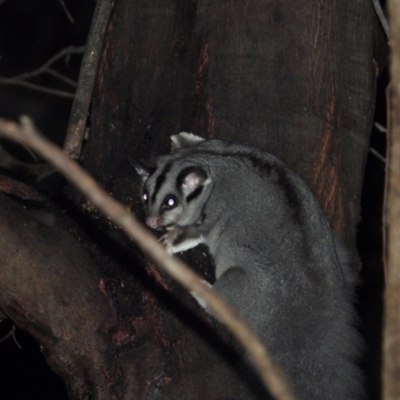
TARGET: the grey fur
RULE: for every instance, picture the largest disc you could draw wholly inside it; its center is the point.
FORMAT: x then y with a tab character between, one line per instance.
277	260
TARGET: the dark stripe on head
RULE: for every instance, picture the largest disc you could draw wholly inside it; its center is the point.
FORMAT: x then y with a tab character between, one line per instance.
160	180
196	193
189	170
265	163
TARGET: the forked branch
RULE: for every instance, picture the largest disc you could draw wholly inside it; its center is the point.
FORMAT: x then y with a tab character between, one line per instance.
21	79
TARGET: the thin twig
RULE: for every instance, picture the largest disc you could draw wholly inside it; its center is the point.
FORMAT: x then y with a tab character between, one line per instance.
380	127
38	88
68	51
62	77
15	339
363	143
378	155
11	333
83	97
381	16
271	374
67	13
21	79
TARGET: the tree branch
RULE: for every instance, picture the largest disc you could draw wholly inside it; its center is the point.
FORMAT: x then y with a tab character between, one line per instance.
80	107
20	80
68	51
11	333
270	372
38	88
391	328
67	13
381	16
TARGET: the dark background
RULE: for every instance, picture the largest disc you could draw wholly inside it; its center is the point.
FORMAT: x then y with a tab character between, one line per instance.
32	31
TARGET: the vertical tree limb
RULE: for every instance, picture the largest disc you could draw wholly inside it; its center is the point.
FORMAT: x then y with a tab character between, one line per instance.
80	107
391	334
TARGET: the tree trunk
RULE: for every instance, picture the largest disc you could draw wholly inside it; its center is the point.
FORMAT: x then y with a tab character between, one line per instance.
295	78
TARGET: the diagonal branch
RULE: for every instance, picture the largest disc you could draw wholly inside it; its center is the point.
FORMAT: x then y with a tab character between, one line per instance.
38	88
270	372
67	13
381	16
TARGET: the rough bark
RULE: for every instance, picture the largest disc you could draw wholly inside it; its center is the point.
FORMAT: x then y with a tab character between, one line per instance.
295	78
50	287
298	79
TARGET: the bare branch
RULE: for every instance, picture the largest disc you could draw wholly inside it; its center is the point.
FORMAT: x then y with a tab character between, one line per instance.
68	51
11	333
7	161
80	107
15	339
61	77
38	88
391	328
381	16
380	127
4	338
67	13
20	80
377	154
364	143
270	372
